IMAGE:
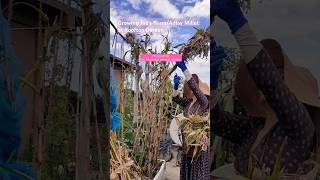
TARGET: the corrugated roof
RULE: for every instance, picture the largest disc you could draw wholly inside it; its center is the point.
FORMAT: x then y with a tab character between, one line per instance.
119	63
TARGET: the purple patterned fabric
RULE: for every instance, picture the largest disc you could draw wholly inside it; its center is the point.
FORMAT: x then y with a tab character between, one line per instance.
198	169
294	128
200	107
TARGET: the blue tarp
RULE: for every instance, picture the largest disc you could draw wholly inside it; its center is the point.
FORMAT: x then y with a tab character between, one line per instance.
11	108
113	91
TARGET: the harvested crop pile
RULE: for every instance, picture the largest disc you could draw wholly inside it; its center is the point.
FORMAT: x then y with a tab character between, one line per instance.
122	166
196	129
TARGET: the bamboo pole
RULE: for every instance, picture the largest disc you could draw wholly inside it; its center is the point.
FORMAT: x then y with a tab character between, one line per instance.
83	141
91	38
98	139
10	12
39	98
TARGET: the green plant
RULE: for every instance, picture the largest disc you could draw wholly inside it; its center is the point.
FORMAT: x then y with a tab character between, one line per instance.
59	152
127	135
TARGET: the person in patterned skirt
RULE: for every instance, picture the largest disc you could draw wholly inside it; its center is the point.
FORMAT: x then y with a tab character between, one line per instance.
194	102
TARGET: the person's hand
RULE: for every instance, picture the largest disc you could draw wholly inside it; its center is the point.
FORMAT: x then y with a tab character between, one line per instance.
230	12
217	57
176	82
181	65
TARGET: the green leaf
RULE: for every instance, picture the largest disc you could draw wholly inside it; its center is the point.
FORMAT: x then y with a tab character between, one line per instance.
276	173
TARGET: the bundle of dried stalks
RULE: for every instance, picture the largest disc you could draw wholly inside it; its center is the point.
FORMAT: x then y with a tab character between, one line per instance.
198	45
196	129
122	166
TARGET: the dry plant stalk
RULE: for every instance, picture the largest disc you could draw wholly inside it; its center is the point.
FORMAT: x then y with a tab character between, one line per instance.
152	123
149	105
92	34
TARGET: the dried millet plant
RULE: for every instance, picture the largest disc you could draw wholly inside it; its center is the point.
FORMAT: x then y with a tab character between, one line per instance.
149	112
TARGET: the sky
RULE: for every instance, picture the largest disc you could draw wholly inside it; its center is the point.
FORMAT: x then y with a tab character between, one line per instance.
165	9
294	23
